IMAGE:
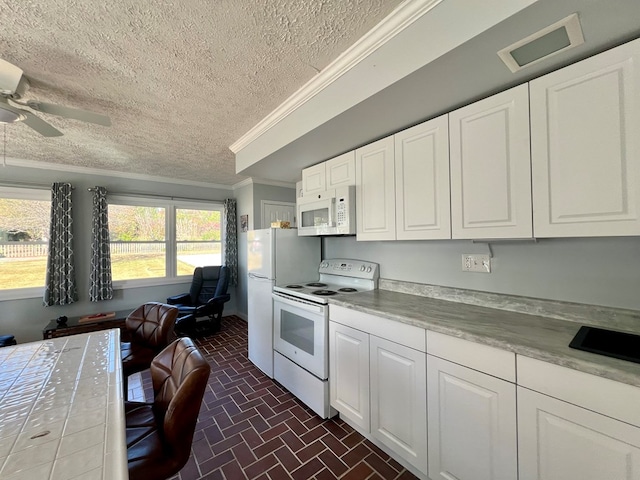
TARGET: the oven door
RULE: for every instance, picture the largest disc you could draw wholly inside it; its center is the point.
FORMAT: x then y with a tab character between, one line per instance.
301	333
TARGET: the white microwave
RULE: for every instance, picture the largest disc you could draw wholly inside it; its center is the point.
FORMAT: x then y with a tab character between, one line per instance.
332	212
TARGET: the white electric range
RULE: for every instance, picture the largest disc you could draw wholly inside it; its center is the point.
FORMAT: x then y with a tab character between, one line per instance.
301	327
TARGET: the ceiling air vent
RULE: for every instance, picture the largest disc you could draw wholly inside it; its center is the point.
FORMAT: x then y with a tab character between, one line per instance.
549	41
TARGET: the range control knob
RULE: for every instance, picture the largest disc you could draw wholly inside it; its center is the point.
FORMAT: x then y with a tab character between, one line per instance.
368	269
362	268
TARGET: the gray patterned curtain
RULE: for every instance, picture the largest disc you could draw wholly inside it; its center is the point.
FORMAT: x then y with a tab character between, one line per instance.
101	286
60	286
231	240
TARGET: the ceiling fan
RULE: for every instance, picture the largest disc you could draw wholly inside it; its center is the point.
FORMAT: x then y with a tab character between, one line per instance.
13	86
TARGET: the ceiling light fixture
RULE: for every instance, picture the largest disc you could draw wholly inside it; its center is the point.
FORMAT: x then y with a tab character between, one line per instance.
554	39
10	116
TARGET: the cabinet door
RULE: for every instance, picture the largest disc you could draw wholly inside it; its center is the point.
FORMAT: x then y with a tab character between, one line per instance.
559	441
491	167
349	373
423	206
341	171
472	424
375	191
314	180
585	148
399	400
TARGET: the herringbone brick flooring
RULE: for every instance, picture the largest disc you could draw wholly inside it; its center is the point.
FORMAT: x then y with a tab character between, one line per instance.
250	427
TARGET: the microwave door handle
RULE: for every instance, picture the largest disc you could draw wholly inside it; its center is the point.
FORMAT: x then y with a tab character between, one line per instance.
332	212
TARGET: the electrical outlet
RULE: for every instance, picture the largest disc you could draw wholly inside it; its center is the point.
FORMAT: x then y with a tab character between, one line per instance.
476	263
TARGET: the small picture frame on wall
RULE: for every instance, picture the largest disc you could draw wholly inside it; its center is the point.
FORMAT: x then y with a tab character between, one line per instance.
244	223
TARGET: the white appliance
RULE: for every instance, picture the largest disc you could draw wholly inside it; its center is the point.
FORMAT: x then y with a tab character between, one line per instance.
301	327
273	255
332	212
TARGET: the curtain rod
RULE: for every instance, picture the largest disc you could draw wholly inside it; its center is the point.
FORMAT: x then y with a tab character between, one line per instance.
166	197
28	185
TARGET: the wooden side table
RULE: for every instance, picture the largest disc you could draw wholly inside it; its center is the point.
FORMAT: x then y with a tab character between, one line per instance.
73	326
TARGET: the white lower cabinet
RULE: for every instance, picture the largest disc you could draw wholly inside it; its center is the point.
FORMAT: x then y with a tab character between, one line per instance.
349	373
450	409
379	385
472	424
560	441
399	400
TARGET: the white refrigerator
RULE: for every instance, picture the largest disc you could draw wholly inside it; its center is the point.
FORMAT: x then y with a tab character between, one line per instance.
274	256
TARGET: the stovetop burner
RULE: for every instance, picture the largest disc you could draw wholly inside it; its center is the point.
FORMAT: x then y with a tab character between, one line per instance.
295	286
324	293
316	284
348	290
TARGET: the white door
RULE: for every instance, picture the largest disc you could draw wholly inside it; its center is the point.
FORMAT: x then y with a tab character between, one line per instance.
491	167
399	400
375	191
273	211
559	441
472	424
341	171
313	180
585	120
423	207
349	373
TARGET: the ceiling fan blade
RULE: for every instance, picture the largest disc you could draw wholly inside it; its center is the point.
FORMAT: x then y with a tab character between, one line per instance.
43	128
67	112
10	76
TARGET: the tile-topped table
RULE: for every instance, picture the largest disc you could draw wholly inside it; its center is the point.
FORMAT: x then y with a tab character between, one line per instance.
62	410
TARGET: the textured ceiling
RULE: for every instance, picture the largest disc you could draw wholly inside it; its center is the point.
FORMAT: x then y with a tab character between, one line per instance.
180	80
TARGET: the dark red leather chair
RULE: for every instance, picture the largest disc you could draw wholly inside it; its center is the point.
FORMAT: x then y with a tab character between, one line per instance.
159	434
150	327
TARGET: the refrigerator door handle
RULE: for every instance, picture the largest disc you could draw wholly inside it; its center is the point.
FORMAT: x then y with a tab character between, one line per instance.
258	276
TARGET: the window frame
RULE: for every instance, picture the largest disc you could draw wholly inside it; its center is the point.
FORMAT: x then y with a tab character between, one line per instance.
24	193
170	205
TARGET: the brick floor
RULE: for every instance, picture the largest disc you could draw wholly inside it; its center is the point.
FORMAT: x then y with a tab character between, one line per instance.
250	427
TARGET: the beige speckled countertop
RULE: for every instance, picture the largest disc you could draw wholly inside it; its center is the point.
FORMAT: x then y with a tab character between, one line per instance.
540	337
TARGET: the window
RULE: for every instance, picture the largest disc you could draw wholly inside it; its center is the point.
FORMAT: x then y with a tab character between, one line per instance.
152	239
198	239
24	232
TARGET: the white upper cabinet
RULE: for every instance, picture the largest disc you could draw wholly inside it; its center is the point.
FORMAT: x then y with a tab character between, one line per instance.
337	172
314	180
341	171
491	167
422	181
375	191
585	120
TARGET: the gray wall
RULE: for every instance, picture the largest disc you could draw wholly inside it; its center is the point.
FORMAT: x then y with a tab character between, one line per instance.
596	271
26	318
269	192
244	199
249	200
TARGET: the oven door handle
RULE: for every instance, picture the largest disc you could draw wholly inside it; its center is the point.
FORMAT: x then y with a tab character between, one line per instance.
310	306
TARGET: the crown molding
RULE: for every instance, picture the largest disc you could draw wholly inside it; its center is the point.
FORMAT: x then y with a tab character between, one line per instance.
399	19
57	167
260	181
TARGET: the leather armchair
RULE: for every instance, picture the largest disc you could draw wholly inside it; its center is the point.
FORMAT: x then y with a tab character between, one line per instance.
160	434
206	298
151	328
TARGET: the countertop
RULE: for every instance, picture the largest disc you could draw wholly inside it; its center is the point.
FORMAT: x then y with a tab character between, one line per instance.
540	337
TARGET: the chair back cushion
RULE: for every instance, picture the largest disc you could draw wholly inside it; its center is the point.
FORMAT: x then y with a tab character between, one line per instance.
180	374
151	325
208	282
